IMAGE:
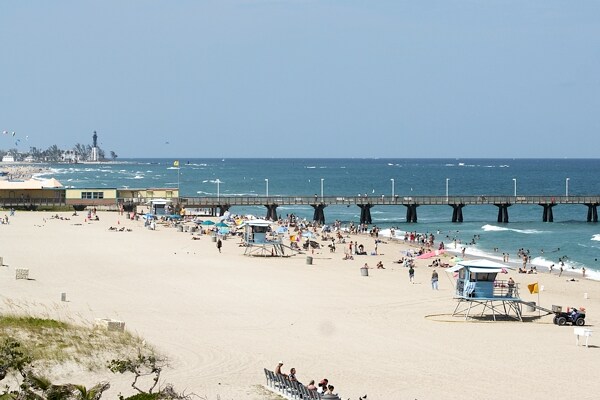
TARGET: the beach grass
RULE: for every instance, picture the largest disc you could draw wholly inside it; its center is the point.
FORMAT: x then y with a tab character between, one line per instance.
53	342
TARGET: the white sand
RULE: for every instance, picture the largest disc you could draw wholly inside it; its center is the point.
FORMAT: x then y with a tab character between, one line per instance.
222	318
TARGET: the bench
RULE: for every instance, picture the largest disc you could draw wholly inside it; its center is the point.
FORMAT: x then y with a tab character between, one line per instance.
292	390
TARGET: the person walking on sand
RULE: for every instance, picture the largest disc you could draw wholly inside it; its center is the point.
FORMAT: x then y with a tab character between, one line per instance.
434	280
219	244
411	274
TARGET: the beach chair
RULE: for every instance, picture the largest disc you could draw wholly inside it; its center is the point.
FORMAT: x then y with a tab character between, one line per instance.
288	390
269	377
278	382
295	388
281	384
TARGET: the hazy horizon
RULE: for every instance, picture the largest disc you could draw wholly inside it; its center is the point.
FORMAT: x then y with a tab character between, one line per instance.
341	79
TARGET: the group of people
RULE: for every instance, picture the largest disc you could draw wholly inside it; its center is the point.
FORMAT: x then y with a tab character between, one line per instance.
326	390
532	270
356	249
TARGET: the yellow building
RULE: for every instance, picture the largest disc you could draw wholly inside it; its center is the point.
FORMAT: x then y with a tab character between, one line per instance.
91	197
145	195
32	191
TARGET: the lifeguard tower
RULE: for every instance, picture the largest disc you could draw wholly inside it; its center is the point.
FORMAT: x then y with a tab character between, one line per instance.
477	286
256	241
159	206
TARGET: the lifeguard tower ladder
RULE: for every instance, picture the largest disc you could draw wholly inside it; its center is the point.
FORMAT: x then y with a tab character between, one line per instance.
477	287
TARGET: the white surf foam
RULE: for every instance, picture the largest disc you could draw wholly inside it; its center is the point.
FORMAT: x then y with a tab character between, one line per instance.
494	228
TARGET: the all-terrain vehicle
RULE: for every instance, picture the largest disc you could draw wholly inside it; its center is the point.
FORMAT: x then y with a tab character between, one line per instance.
573	316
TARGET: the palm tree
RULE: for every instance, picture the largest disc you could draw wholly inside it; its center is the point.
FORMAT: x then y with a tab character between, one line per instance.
53	153
82	153
80	392
113	155
35	153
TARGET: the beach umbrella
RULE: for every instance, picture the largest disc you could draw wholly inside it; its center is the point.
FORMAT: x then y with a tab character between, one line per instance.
222	225
207	222
282	229
308	234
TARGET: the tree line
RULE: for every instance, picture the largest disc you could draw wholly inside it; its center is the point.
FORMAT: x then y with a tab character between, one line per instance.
79	152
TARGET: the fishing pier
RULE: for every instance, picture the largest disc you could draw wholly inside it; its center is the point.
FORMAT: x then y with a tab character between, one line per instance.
221	204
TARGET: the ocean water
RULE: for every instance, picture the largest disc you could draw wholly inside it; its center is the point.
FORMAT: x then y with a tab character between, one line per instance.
569	237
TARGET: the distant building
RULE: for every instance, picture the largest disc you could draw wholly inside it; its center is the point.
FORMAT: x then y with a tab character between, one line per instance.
8	158
69	156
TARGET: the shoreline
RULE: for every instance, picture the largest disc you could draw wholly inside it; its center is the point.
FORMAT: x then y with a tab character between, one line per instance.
542	267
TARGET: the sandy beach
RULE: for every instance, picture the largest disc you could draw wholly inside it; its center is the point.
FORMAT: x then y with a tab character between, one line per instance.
223	317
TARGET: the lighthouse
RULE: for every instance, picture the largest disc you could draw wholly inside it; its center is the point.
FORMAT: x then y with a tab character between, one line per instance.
95	149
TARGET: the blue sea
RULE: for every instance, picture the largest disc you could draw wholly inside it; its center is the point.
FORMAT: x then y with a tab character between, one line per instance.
569	237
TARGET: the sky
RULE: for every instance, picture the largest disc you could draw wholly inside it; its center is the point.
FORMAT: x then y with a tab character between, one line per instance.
330	78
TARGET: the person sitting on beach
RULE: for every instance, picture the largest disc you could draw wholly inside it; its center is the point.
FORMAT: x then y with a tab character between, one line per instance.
348	257
278	369
311	385
322	386
380	265
292	375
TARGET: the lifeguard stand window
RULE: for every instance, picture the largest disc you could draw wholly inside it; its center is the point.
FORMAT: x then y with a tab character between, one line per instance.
483	277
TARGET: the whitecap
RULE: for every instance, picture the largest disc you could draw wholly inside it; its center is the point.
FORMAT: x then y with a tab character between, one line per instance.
493	228
596	237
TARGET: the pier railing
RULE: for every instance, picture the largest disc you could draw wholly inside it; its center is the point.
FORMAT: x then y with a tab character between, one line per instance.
386	200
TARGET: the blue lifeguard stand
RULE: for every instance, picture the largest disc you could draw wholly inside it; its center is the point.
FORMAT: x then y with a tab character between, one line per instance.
477	286
256	241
